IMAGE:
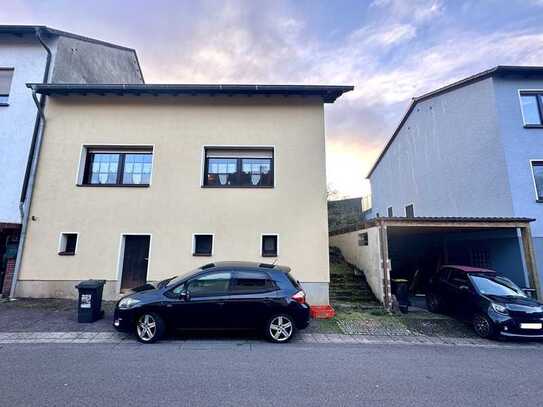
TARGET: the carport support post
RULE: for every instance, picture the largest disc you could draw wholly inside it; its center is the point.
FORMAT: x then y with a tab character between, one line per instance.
529	255
385	266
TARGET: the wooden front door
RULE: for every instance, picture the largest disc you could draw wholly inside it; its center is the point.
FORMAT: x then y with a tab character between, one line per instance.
135	261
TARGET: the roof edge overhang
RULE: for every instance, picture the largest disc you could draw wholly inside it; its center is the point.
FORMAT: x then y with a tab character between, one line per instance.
500	70
438	221
328	93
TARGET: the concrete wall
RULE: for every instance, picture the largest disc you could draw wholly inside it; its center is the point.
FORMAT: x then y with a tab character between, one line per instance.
17	120
78	61
175	205
448	159
366	258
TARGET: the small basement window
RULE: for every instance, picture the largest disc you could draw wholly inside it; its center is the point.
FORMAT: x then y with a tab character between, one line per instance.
6	75
363	239
202	245
269	246
68	244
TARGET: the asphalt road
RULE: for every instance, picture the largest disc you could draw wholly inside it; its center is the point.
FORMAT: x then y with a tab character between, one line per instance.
223	373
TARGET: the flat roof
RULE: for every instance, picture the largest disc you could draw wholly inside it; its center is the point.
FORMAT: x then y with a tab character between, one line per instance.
437	221
328	93
500	70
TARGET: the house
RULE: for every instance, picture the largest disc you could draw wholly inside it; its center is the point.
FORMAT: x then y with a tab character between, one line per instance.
139	183
41	54
461	181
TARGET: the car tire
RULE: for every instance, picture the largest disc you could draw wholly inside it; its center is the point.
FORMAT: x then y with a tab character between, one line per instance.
433	303
483	326
280	328
150	327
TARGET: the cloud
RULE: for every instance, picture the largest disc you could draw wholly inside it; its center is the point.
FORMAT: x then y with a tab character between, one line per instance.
417	10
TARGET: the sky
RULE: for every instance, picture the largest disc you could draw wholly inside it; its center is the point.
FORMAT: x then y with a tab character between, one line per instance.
390	50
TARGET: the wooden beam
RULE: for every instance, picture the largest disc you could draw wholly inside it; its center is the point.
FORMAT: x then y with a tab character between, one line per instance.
387	295
529	255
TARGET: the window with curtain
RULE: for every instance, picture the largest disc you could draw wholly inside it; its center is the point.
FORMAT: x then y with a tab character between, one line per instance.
241	168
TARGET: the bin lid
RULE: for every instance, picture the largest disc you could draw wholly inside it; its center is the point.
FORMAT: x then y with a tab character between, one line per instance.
91	284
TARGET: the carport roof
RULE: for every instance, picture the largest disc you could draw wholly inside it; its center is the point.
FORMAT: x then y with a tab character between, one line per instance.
438	221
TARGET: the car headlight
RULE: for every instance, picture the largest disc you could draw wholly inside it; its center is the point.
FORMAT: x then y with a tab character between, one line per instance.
500	309
128	302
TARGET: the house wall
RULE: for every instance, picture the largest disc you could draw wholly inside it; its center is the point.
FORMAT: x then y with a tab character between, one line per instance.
17	120
175	205
366	258
448	159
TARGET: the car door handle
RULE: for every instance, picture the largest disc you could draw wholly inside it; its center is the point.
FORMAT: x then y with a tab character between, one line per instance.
221	303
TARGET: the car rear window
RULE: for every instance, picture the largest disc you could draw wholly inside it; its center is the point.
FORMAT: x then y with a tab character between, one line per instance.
294	282
251	282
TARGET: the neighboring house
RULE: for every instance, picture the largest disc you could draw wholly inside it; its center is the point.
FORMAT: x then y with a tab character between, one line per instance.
470	149
140	183
41	54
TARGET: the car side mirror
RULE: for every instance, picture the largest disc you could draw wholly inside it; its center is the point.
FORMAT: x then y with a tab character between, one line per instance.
184	295
529	292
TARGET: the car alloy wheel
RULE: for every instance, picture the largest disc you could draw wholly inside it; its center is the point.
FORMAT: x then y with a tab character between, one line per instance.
146	327
482	326
280	328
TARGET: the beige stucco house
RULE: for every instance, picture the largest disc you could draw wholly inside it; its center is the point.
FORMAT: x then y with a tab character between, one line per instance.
139	183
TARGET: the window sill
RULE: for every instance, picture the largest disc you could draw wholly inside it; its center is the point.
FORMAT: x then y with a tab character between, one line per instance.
269	255
66	253
236	187
4	104
201	254
533	126
539	200
114	185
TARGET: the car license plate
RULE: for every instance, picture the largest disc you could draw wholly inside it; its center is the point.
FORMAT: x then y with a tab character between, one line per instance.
531	326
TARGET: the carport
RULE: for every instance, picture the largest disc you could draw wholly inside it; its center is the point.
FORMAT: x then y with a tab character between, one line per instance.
414	249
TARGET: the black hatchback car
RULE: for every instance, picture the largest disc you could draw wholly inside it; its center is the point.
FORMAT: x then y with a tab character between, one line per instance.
492	303
225	295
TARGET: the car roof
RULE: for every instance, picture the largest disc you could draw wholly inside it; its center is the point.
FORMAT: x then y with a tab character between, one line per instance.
244	265
468	269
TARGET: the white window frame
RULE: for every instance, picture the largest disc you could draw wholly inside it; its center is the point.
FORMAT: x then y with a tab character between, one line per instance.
537	198
519	92
12	69
262	243
120	257
62	242
239	147
193	252
80	174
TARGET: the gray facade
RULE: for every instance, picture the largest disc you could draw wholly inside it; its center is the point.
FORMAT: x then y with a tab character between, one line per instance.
74	59
464	151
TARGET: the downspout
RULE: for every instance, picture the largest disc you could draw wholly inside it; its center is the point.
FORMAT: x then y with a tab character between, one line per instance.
31	165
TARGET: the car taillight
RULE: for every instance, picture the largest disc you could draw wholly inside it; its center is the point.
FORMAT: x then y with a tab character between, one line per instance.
299	297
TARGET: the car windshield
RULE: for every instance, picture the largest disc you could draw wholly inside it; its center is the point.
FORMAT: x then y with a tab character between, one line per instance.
495	285
178	279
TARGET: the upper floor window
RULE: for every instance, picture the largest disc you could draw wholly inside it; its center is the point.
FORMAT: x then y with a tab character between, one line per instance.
532	108
122	166
390	212
537	171
6	74
238	168
410	211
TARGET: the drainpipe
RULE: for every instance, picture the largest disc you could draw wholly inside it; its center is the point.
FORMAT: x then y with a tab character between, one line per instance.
31	165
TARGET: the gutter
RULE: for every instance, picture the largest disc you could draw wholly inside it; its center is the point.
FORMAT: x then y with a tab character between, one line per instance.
31	164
